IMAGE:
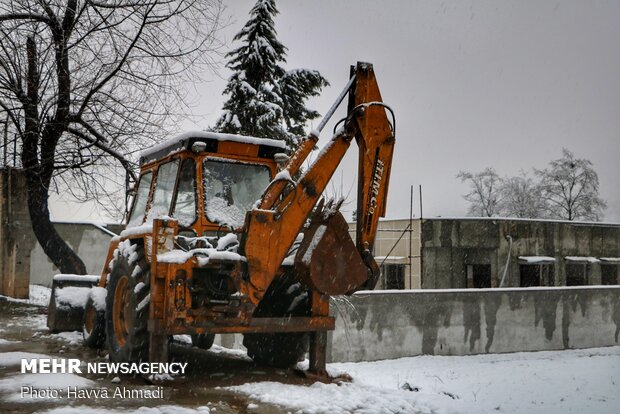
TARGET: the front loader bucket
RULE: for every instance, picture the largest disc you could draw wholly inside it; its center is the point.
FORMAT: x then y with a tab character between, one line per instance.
327	259
67	301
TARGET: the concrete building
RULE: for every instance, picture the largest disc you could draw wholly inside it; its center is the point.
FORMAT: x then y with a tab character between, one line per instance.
439	253
22	260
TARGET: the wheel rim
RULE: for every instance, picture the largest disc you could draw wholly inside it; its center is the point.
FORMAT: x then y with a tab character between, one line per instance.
89	319
122	310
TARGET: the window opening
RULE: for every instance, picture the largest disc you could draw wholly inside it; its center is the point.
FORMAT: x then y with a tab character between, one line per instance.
231	189
184	208
164	187
141	198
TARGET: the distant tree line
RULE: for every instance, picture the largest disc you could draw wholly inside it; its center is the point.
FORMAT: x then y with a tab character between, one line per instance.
568	189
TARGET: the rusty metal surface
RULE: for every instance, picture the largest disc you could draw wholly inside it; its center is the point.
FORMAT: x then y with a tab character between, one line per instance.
333	266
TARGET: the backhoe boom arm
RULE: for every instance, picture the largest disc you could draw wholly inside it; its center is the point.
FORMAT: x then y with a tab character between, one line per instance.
271	229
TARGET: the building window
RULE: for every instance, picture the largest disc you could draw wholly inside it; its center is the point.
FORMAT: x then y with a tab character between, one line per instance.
478	276
576	274
536	275
609	274
393	276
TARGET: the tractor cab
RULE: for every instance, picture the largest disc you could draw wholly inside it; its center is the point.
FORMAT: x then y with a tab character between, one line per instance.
206	181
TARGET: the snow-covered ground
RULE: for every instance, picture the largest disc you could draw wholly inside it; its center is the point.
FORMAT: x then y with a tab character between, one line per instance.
39	296
574	381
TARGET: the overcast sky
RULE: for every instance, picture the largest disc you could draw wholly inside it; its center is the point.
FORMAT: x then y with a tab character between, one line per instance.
474	84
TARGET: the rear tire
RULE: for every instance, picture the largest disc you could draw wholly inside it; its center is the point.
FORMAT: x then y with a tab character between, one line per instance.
203	341
281	350
127	308
93	328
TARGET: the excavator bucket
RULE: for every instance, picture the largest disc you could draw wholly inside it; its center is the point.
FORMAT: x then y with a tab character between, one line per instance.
68	299
327	259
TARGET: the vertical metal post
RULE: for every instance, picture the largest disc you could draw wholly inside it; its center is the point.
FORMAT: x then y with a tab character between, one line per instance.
318	353
163	241
410	237
158	347
420	188
421	242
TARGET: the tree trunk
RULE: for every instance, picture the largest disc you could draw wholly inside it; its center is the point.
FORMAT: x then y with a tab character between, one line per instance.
53	245
42	138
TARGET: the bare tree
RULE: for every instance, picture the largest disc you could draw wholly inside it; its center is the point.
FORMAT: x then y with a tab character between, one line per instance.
521	197
570	187
87	83
484	192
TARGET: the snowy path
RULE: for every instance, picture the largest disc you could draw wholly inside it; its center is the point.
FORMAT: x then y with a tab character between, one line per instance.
575	381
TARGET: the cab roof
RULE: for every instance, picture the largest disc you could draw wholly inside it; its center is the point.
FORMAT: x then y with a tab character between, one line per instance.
267	147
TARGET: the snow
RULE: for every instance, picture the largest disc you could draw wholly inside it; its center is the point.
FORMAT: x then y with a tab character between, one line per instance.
144	302
218	211
537	259
316	239
39	381
216	136
138	287
162	409
62	277
571	381
610	259
587	259
38	296
138	230
71	296
14	359
98	295
227	241
346	398
283	175
72	338
175	256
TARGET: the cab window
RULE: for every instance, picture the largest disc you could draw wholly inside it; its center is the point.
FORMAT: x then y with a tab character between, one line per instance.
164	188
231	189
185	204
139	203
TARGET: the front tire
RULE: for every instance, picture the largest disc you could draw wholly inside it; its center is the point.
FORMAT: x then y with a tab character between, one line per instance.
93	328
127	307
203	341
280	350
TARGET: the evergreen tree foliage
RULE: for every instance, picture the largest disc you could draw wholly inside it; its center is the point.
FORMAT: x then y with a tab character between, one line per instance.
265	100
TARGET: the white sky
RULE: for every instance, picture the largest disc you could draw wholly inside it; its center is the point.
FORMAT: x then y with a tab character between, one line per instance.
504	84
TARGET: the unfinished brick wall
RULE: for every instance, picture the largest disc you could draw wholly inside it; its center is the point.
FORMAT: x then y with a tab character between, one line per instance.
16	238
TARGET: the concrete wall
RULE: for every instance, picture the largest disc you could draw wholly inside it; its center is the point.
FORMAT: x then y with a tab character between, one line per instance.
448	245
392	324
16	238
91	242
22	260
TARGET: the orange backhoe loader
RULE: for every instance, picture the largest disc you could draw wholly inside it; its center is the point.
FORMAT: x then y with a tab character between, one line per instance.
228	234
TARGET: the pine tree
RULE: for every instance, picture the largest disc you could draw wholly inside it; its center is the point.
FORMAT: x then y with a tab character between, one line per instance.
264	99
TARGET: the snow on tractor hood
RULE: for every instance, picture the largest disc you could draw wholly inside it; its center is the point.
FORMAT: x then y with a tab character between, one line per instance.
226	249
